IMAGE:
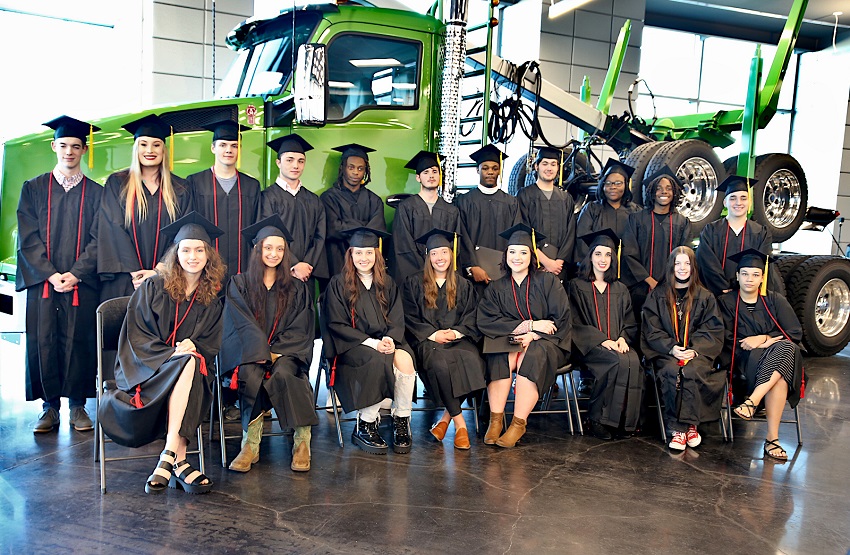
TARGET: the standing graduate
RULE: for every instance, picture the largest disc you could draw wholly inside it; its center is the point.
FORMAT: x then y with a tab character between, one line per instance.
137	204
652	234
439	309
525	318
762	337
550	210
612	206
484	212
682	334
299	208
730	235
371	362
604	332
171	334
419	214
268	345
348	203
57	259
227	197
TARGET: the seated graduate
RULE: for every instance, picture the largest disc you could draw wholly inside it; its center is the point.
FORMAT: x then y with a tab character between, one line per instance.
604	330
439	309
363	313
682	334
268	344
525	318
612	206
762	336
172	331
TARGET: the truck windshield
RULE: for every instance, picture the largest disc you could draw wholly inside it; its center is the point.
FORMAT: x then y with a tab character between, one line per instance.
265	59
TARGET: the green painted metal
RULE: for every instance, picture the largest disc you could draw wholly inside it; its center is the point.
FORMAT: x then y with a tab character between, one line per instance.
716	127
747	156
584	94
488	66
612	76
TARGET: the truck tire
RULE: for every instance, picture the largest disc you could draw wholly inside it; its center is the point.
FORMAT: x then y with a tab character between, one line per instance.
730	165
519	178
700	171
638	159
819	291
780	195
787	264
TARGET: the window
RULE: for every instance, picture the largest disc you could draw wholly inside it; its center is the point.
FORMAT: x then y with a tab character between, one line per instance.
365	70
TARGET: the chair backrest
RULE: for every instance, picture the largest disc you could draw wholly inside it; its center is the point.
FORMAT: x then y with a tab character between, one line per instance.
110	318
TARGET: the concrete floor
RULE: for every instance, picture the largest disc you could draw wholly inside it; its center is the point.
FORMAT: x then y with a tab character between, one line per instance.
555	493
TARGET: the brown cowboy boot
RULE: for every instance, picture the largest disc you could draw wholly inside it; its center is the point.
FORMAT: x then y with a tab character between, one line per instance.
515	431
250	453
301	449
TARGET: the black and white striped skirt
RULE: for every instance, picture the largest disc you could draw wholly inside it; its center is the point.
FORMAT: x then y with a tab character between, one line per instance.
779	357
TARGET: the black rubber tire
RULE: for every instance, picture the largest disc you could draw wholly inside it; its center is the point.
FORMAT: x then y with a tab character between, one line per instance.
675	155
730	165
804	290
773	166
787	264
519	178
638	159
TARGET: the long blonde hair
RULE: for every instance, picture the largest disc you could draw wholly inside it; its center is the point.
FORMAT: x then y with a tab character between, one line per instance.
134	195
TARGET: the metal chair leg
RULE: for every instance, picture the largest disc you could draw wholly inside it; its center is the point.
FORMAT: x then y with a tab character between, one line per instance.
575	400
567	402
332	395
475	412
221	434
799	426
658	408
201	448
102	453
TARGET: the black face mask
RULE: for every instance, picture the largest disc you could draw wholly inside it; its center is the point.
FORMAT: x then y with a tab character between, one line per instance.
683	281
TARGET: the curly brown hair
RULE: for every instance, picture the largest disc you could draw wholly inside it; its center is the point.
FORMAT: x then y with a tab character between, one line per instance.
208	286
379	281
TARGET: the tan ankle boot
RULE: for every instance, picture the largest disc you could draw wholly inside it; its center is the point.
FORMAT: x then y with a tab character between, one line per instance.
515	431
301	449
250	453
494	430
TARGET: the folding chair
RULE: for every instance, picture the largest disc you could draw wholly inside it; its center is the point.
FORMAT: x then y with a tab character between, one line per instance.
576	399
727	415
110	317
658	406
549	396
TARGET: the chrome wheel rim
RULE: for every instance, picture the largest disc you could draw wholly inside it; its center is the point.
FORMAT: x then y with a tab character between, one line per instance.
782	198
832	307
699	181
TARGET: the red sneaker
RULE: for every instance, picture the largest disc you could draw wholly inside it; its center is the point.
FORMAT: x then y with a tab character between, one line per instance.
693	437
679	441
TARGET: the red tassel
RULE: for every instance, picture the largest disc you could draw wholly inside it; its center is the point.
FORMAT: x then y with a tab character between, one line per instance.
803	384
234	379
46	293
136	401
267	375
332	381
202	363
76	301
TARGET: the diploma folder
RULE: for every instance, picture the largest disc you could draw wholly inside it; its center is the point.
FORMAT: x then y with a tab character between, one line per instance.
500	345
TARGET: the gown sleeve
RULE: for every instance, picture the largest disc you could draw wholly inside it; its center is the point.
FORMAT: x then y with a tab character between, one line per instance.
706	334
656	340
491	319
244	341
466	309
338	317
396	313
116	252
294	337
565	251
708	261
33	265
141	347
786	317
314	254
414	309
631	250
585	335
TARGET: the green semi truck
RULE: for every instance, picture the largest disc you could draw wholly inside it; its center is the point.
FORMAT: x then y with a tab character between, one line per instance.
395	80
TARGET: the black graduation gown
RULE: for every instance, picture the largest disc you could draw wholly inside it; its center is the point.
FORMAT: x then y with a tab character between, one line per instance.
700	387
245	342
642	256
117	253
413	220
718	274
483	217
600	215
223	209
498	317
618	386
555	218
362	376
759	322
345	210
304	217
456	366
144	361
60	344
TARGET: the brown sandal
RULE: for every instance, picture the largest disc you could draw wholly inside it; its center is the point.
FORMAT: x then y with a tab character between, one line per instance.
747	406
775	451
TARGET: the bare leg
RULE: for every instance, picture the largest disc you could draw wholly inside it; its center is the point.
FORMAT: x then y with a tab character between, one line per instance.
459	421
759	392
774	404
177	409
403	362
497	392
526	397
446	417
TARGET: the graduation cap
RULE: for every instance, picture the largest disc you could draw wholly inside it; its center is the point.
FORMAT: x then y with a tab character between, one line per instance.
363	237
354	149
423	161
193	226
615	166
66	126
438	238
521	234
149	126
488	153
550	153
753	258
272	226
604	237
290	143
226	130
664	171
736	184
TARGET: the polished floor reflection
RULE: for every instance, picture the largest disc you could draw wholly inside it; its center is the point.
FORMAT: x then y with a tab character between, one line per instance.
555	493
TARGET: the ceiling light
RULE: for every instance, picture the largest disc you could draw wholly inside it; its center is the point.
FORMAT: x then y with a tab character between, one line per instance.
375	62
562	7
340	85
405	86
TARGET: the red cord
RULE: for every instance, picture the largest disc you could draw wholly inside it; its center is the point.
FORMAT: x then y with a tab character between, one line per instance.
76	300
215	216
46	293
156	241
726	242
173	337
516	301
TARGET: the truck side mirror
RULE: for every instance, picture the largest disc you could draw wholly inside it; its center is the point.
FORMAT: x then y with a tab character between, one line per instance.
310	85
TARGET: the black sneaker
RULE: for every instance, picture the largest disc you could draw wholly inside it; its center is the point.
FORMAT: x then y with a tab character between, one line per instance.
599	431
366	436
401	434
48	421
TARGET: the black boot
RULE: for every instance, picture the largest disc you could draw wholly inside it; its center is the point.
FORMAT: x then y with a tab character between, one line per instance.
366	436
599	431
401	434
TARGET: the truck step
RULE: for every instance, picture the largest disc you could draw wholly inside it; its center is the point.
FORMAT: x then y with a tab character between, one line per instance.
470	142
473	96
473	73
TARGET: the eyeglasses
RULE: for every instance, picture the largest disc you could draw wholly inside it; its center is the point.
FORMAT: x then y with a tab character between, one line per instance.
613	183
